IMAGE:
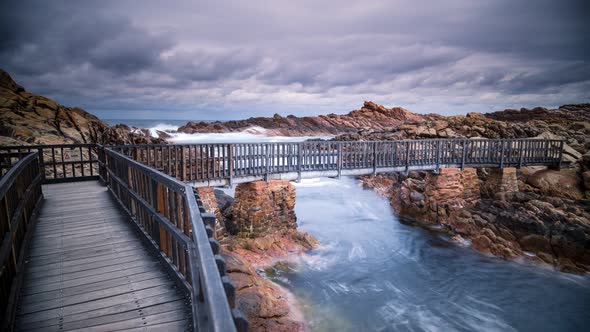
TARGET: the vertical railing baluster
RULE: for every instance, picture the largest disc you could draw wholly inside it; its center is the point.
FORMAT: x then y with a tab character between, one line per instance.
463	154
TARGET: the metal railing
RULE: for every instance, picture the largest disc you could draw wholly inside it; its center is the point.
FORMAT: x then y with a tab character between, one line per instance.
20	197
222	164
168	215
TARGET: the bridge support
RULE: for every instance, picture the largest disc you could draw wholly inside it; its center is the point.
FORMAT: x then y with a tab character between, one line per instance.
448	193
207	195
499	182
261	208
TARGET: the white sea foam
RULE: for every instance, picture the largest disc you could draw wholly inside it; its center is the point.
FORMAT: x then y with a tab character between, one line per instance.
165	127
241	137
254	134
317	182
356	252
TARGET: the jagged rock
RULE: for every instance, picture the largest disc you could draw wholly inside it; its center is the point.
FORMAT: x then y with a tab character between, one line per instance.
31	119
370	118
586	177
541	221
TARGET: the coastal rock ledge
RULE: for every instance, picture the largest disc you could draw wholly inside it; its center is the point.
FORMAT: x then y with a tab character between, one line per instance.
498	211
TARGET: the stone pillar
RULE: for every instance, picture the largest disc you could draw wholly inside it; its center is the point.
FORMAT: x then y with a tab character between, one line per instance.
449	193
211	205
261	208
499	182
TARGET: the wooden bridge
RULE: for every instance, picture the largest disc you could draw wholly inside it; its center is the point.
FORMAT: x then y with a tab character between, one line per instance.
205	165
101	238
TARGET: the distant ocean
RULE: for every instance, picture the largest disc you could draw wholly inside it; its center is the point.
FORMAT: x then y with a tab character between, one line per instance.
148	123
171	126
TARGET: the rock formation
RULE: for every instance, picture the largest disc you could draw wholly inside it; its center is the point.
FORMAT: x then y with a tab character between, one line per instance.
261	208
370	116
257	230
376	122
500	212
27	118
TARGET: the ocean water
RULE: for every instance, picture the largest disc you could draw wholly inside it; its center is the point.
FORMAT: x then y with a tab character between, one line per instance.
148	123
250	135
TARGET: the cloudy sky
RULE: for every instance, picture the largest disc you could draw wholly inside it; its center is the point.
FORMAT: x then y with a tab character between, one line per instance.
233	59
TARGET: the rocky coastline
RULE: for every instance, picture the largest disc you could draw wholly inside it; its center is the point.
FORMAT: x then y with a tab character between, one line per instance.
30	119
257	229
538	214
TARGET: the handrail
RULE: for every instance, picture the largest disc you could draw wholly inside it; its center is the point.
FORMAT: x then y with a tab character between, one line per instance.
168	215
227	163
20	197
58	162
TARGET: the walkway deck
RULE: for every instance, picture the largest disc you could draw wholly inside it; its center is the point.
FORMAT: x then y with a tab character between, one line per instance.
88	270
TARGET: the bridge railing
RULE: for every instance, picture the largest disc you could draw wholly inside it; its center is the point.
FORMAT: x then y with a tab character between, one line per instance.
209	162
58	162
20	197
167	213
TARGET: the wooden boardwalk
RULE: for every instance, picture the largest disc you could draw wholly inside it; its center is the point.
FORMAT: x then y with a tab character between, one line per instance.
88	270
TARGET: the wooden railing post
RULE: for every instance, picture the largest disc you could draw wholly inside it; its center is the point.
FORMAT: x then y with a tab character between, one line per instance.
42	163
339	158
230	165
463	154
299	160
182	163
407	156
521	151
374	158
546	152
267	164
561	144
437	156
502	154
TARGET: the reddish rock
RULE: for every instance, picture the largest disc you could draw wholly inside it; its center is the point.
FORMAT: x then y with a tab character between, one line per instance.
261	208
553	228
449	193
371	115
211	205
498	182
565	183
267	306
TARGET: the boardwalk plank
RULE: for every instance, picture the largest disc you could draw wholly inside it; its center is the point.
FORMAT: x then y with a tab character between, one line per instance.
87	287
169	307
87	270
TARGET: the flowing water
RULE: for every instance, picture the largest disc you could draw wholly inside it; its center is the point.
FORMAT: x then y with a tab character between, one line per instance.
373	273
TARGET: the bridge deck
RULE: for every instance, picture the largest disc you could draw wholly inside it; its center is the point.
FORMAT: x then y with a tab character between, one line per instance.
88	270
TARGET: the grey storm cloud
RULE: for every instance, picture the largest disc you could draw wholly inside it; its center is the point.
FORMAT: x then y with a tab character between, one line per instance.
232	59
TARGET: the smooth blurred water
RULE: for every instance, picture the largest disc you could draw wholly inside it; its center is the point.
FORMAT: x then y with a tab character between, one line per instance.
374	274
